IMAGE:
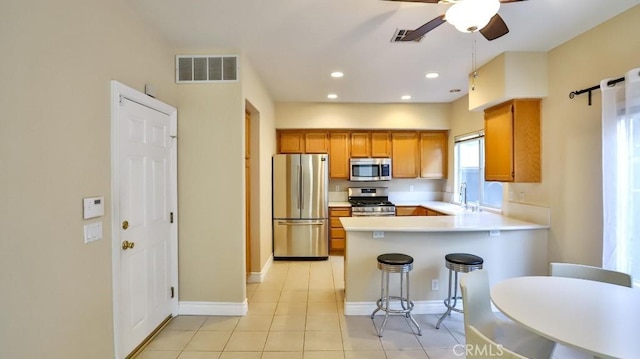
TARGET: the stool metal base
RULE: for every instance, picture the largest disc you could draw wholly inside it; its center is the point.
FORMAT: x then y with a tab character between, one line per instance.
454	268
384	303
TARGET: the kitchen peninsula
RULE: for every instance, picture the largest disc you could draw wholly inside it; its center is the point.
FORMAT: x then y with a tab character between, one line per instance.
510	248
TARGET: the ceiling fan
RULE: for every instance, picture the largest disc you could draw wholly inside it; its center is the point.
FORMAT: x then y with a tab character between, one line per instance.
466	16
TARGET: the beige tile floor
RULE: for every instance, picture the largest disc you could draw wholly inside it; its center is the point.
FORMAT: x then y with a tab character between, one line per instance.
296	313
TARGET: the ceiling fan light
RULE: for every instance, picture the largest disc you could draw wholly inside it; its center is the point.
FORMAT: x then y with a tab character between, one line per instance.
472	15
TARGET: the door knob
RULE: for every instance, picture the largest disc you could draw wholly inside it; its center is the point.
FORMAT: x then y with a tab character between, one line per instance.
127	245
125	225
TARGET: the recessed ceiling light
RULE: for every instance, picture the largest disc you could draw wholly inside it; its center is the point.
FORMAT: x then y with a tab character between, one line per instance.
406	97
337	74
432	75
454	90
332	96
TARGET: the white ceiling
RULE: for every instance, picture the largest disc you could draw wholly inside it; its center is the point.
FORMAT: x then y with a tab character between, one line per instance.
295	44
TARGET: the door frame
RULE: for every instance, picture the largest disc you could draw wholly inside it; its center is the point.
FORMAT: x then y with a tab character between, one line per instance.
118	91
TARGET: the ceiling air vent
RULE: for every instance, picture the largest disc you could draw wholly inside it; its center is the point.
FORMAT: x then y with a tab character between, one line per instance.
206	68
399	34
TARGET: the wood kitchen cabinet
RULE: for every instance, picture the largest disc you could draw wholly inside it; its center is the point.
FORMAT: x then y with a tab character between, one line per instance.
371	144
339	155
417	211
431	212
512	141
380	144
300	141
291	142
411	211
336	231
433	154
361	144
316	142
405	155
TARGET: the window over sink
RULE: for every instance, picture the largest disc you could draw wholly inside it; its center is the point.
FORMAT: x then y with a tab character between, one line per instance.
469	173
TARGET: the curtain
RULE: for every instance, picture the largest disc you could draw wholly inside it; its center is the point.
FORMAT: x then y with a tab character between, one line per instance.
621	174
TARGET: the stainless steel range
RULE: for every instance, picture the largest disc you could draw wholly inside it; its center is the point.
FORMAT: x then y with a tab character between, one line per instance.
370	201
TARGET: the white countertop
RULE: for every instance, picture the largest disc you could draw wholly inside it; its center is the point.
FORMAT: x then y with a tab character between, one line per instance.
339	204
461	222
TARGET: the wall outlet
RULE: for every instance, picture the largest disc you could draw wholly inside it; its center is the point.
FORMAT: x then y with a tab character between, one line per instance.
337	188
378	234
521	196
510	195
435	284
494	233
410	188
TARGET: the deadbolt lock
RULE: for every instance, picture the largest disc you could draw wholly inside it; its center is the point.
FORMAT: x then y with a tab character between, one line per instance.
127	245
125	224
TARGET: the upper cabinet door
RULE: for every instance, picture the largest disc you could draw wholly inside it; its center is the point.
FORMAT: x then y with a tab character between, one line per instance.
405	158
339	155
316	142
512	141
498	143
360	144
433	154
380	144
291	142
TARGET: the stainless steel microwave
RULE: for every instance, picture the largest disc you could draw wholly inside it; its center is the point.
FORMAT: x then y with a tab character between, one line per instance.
370	169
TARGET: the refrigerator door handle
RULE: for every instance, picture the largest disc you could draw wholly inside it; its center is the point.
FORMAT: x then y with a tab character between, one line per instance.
298	223
299	184
301	188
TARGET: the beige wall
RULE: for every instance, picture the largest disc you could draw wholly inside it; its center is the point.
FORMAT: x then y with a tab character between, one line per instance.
571	135
362	115
211	184
210	189
263	146
58	59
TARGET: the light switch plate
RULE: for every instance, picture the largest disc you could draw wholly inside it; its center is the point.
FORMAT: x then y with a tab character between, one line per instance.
92	232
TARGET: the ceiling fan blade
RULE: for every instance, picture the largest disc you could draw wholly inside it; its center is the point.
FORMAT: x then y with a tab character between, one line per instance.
415	34
495	28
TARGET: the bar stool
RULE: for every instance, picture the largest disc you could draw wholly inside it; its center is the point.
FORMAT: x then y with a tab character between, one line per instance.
395	263
458	262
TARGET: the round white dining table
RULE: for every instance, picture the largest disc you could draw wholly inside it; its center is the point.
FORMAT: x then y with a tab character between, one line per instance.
599	318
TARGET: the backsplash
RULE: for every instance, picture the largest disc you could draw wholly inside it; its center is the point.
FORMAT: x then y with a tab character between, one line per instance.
400	190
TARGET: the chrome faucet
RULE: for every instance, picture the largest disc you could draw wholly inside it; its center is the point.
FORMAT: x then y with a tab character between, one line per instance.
463	195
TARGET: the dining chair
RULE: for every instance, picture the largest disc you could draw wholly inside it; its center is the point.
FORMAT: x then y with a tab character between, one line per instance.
478	314
581	271
479	346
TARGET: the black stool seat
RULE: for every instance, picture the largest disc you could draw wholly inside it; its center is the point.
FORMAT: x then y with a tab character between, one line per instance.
464	258
395	259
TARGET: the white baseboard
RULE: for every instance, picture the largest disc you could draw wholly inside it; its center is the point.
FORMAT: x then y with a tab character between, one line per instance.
419	307
213	308
258	277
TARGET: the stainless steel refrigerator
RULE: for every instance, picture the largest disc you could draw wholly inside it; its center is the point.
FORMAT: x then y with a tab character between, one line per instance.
300	206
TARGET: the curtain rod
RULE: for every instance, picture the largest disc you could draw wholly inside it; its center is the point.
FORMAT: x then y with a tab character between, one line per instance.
572	94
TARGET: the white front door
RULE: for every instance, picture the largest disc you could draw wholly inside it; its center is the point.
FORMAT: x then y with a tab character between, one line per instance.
144	187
